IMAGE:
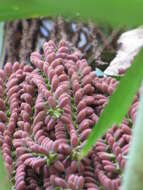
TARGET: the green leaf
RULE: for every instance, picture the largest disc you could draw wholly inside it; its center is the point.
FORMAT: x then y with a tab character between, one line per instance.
4	181
134	170
115	12
118	104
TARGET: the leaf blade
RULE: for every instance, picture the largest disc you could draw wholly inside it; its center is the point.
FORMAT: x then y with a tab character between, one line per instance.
135	161
118	105
94	10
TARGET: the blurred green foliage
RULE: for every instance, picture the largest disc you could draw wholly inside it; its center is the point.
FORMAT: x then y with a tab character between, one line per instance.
115	12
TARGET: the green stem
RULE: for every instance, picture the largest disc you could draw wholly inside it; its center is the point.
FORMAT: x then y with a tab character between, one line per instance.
1	42
132	178
4	181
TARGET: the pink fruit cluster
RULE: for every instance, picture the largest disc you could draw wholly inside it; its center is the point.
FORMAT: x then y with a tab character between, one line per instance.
47	112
